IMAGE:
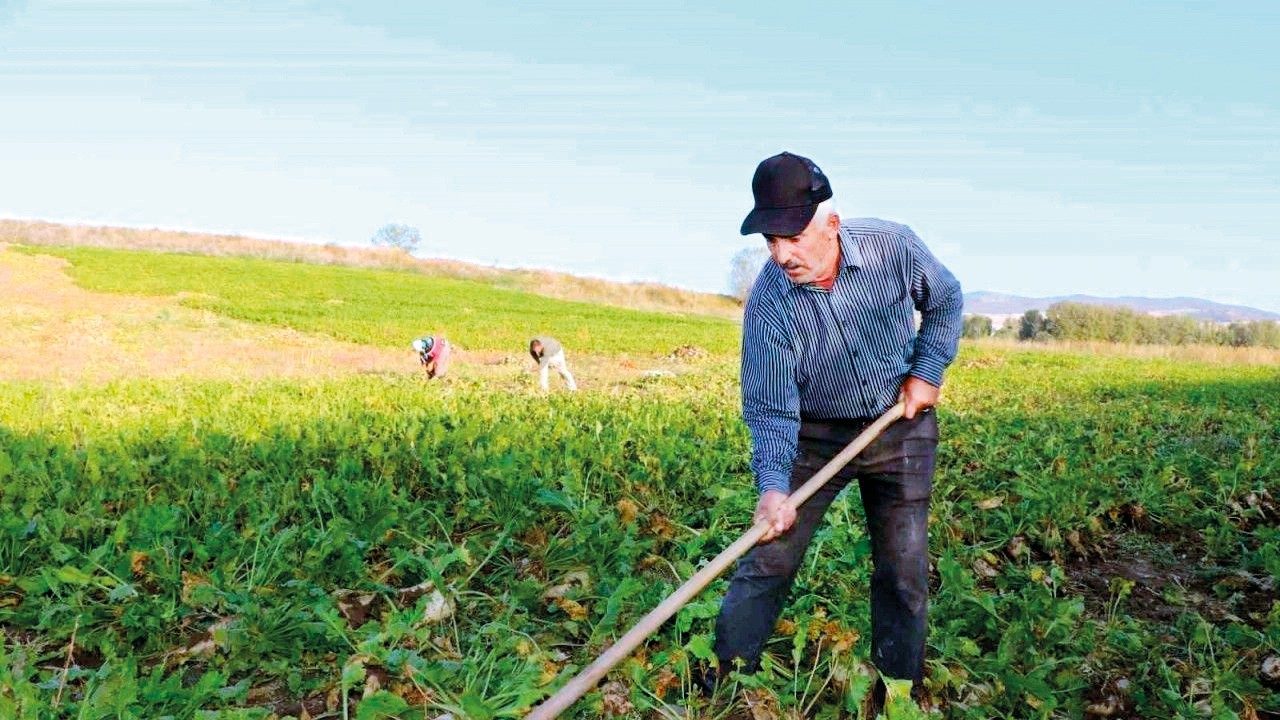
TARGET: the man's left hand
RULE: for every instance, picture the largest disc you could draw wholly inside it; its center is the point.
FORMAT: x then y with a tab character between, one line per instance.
918	395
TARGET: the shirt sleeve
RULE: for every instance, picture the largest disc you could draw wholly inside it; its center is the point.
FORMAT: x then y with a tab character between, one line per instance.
770	398
938	297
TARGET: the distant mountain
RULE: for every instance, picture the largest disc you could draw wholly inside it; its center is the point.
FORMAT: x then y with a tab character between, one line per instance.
1001	305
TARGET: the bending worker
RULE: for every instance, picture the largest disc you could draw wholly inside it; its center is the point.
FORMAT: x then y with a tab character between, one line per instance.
829	344
549	354
433	355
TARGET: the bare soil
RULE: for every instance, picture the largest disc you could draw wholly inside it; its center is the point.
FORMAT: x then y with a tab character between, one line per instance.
52	330
1171	576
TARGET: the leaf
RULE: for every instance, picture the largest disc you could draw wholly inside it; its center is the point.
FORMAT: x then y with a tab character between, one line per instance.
553	499
898	703
381	704
699	646
696	611
124	591
229	692
617	600
73	575
475	707
856	693
799	639
353	672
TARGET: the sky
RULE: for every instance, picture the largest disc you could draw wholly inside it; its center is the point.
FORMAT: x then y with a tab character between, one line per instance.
1105	148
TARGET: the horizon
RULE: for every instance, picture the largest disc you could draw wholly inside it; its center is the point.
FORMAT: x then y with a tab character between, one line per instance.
1096	150
519	268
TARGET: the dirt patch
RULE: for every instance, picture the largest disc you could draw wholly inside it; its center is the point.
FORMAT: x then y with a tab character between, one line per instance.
1157	579
687	352
52	330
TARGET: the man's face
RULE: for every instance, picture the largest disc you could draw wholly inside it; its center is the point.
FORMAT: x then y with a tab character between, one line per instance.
812	254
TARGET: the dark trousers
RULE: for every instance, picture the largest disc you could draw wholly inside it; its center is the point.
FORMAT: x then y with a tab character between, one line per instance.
895	477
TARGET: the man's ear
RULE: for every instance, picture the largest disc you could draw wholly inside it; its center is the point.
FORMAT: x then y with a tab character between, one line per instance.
833	221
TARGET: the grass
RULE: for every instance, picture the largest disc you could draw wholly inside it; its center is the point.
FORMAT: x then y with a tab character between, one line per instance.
146	516
386	308
635	296
1225	354
377	546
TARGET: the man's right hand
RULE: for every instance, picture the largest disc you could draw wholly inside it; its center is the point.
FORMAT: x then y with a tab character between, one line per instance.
773	507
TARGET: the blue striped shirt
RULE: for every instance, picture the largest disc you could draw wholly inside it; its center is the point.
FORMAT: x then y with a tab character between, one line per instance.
813	354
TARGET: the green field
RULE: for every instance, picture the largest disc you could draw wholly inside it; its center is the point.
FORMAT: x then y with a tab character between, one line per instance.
1105	534
385	307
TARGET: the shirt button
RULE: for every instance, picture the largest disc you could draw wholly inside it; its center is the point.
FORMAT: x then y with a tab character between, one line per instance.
864	383
855	353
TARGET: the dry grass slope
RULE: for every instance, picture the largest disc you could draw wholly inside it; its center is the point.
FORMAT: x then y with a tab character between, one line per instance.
637	296
52	330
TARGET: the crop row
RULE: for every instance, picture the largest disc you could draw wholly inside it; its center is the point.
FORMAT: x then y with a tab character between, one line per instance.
387	547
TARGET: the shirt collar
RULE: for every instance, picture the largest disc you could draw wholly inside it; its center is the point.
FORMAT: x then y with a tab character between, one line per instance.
850	256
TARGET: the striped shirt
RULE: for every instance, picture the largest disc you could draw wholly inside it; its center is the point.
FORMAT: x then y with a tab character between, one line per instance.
813	354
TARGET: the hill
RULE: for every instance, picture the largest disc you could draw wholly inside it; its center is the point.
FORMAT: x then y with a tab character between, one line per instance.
77	314
635	296
1000	305
384	308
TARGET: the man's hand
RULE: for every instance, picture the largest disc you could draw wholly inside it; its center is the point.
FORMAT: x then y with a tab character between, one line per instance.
773	508
918	395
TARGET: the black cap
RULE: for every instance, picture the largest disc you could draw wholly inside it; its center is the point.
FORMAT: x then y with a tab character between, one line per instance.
788	188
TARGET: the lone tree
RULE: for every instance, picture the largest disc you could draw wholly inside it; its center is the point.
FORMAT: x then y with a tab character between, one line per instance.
743	270
1032	326
976	326
397	236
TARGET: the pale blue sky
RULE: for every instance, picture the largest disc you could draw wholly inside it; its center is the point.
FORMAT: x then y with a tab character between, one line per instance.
1112	148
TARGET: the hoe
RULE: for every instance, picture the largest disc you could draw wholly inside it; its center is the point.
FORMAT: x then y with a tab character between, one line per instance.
585	680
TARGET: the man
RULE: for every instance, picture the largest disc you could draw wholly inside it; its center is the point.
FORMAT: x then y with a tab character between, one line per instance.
433	355
549	354
829	344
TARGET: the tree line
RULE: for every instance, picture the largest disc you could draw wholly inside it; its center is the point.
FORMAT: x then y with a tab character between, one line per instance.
1078	321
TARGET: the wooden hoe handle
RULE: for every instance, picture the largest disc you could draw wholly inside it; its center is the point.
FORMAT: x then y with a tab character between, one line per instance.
587	679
